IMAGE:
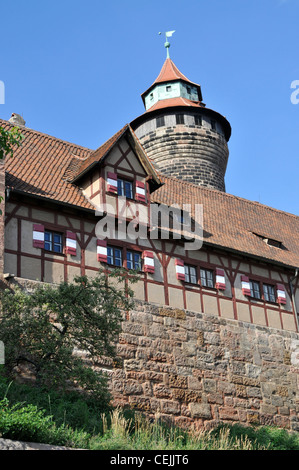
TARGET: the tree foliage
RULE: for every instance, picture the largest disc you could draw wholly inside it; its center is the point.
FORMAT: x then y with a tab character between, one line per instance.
49	327
8	140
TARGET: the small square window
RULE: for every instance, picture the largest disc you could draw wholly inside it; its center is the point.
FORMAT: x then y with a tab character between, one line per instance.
53	241
114	256
206	278
160	121
180	119
125	188
133	260
198	120
190	274
168	88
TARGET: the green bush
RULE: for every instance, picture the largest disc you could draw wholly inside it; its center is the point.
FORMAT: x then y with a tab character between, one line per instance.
32	414
69	409
28	423
22	422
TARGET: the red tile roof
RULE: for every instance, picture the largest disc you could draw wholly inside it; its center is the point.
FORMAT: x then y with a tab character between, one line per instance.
170	102
96	156
44	167
169	73
236	224
99	155
41	167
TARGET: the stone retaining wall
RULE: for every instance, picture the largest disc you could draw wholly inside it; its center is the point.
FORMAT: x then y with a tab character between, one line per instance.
195	369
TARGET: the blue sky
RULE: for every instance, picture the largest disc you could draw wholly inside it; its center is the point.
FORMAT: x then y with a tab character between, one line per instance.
76	70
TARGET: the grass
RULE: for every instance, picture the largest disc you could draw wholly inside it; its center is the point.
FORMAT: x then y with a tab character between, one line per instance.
31	414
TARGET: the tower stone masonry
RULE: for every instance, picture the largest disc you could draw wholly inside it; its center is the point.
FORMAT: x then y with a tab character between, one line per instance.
181	136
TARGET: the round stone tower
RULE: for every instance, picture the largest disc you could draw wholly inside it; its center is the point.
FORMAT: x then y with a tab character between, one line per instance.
180	134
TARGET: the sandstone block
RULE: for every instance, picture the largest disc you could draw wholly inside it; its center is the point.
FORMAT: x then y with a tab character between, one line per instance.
200	410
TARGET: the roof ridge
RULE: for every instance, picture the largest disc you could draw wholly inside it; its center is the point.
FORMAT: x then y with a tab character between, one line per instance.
177	72
232	196
111	139
24	129
169	66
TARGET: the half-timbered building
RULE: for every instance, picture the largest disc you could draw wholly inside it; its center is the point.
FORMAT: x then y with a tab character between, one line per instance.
55	192
57	195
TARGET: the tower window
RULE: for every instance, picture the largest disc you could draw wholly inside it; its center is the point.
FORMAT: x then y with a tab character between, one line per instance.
160	121
198	120
188	90
213	124
180	119
168	88
152	96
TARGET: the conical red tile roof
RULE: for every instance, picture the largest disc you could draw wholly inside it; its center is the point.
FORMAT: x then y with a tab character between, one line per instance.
169	73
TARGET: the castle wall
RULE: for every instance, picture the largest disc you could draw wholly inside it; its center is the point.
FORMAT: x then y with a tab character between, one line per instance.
195	369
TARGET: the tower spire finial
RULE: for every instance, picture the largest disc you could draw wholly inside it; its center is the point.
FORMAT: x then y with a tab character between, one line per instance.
168	34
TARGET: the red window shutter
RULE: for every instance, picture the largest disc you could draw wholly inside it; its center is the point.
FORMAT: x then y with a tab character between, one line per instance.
102	251
281	294
140	191
220	279
148	262
112	182
71	243
245	285
180	269
38	236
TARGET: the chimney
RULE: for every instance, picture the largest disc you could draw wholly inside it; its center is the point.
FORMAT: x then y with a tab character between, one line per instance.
17	120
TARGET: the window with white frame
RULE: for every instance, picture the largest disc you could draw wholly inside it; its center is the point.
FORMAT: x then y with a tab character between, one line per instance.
114	256
269	293
125	188
206	277
53	241
190	274
134	260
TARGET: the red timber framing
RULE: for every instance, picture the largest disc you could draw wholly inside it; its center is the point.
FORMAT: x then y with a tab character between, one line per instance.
161	286
27	212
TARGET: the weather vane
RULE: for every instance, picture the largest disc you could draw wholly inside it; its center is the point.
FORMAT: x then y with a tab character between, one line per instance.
168	34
